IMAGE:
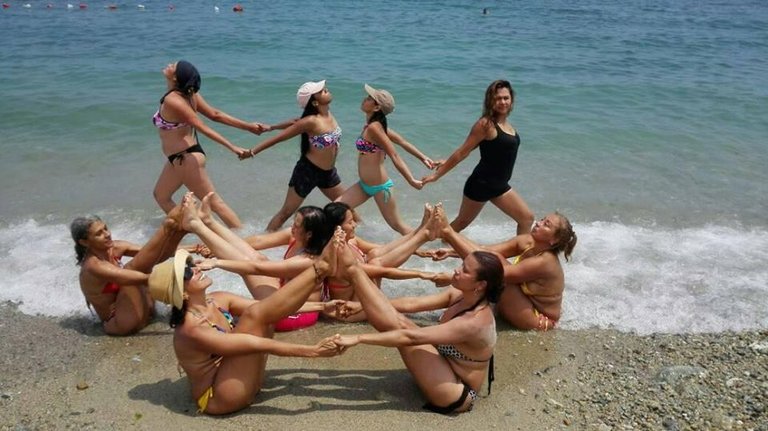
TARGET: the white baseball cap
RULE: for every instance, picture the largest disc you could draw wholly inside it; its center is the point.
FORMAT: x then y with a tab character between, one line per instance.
306	91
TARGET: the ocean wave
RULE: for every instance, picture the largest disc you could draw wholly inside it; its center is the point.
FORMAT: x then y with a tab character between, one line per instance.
630	278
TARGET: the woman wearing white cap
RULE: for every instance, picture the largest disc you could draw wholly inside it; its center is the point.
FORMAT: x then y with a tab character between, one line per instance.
498	142
375	143
225	360
320	136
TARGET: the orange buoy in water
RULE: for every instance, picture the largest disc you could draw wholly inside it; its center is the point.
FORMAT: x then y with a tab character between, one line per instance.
6	5
237	8
83	6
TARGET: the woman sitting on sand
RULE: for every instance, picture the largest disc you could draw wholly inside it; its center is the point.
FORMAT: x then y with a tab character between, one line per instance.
225	361
118	292
533	296
375	143
320	137
305	239
449	361
380	261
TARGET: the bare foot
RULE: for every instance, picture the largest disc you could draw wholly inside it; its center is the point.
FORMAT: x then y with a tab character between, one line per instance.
325	265
172	220
189	213
438	222
428	210
205	209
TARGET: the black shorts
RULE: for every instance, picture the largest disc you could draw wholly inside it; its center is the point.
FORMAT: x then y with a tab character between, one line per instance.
306	176
481	190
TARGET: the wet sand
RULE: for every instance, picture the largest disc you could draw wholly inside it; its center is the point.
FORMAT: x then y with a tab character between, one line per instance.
65	374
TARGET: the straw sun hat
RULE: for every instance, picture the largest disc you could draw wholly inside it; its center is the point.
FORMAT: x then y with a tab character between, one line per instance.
166	282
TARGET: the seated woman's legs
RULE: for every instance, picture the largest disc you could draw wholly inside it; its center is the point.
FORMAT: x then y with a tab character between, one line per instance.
260	286
432	373
240	377
400	250
517	309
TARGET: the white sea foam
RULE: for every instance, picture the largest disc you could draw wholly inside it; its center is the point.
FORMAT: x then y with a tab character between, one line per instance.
634	279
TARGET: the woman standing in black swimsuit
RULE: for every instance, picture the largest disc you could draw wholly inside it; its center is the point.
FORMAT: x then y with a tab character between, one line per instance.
498	142
177	122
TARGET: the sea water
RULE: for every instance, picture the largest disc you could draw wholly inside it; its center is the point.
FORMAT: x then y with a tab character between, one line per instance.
642	121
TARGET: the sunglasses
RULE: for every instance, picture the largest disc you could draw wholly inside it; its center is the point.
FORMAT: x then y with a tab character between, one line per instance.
188	272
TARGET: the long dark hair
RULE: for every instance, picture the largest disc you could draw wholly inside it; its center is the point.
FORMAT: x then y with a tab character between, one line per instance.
491	271
314	224
177	315
309	109
79	230
335	213
490	95
380	117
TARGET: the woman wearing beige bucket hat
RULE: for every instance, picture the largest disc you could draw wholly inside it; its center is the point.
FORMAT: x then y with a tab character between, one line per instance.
375	143
118	292
320	137
225	362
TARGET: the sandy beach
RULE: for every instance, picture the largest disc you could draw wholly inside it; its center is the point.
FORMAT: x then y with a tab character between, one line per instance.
65	374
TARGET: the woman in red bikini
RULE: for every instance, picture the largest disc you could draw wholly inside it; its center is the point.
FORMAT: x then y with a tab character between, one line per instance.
533	296
117	292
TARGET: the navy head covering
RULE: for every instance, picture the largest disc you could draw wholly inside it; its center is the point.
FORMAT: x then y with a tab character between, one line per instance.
187	78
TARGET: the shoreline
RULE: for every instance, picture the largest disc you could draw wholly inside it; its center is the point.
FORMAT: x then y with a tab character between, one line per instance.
65	373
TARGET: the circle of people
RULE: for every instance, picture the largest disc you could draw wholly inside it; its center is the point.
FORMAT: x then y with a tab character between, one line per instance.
222	340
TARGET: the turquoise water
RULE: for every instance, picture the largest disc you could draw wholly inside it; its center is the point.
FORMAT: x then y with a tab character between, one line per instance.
644	122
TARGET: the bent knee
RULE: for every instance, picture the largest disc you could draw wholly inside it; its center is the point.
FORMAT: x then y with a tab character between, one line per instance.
221	403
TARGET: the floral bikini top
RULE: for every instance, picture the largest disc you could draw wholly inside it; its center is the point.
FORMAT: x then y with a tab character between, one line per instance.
366	147
325	140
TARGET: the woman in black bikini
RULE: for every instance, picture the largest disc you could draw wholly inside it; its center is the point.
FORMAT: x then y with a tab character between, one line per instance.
498	142
449	361
177	122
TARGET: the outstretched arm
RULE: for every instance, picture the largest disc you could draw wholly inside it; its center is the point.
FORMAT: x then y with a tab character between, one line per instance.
222	117
454	331
239	344
297	128
476	135
378	136
181	106
410	148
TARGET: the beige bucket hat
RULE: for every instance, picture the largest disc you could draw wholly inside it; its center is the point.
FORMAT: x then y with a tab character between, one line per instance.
166	282
382	97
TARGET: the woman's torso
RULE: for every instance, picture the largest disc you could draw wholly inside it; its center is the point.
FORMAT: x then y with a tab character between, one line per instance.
175	135
339	288
498	154
99	293
546	293
296	251
200	365
478	349
324	141
370	159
